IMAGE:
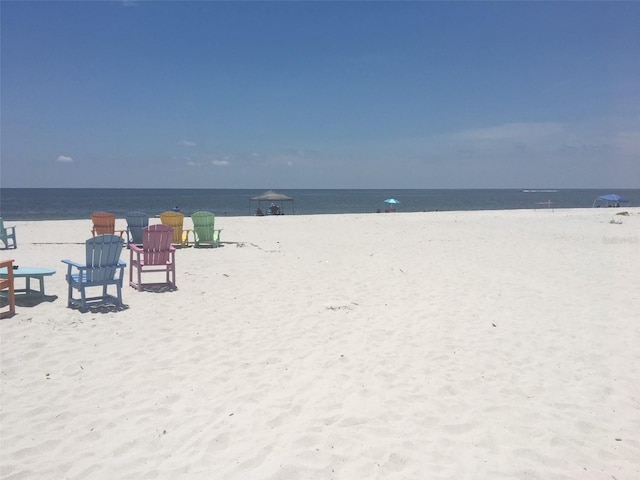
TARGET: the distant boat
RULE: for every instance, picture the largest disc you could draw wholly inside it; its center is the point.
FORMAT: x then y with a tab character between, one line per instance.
540	191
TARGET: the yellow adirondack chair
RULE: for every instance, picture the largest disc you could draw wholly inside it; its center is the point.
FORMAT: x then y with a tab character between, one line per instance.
176	221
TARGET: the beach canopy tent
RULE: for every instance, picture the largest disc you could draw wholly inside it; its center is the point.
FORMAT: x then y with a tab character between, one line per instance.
611	199
273	198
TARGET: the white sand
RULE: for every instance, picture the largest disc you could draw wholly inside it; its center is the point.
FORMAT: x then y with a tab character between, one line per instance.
457	345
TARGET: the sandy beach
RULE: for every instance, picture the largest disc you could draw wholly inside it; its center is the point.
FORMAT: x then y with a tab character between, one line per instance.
439	345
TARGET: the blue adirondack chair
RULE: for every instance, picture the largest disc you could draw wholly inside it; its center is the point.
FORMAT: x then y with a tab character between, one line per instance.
136	221
156	254
6	234
205	235
102	269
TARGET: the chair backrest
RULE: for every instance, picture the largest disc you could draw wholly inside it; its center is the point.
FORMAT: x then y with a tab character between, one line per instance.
103	223
174	220
2	229
136	221
7	284
156	244
103	255
203	223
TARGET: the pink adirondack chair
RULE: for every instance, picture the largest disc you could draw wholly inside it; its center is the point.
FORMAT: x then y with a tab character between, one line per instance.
155	255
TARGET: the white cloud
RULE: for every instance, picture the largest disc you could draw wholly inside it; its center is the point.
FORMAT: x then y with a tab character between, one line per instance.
220	163
64	159
516	132
187	143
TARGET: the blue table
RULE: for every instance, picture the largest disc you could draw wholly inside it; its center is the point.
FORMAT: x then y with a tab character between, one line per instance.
28	273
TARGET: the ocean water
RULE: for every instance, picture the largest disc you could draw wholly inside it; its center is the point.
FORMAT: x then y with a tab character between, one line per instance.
60	204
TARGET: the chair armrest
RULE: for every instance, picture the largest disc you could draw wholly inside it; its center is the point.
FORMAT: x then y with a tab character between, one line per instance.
73	264
136	248
6	264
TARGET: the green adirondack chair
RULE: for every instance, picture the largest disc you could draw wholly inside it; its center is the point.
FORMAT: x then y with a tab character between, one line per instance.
205	235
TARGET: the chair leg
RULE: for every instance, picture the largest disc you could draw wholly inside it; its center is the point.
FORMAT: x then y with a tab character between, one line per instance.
83	300
70	297
12	299
119	292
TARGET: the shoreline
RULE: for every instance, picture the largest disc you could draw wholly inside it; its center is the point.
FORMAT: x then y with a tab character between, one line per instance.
63	204
484	344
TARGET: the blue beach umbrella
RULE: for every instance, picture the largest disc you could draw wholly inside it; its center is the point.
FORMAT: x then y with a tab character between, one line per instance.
392	202
611	198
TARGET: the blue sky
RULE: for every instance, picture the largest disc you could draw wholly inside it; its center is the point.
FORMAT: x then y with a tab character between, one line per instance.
320	94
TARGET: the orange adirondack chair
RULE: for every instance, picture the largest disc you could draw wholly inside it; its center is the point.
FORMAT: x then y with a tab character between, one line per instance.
7	284
104	224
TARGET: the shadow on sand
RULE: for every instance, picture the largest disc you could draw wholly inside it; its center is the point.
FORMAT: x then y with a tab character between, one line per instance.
29	300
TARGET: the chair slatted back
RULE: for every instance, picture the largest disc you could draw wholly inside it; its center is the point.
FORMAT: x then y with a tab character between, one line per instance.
136	221
103	255
103	223
203	226
174	220
156	243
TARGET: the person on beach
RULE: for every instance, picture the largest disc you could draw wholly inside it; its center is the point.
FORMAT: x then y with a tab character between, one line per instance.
175	209
274	209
